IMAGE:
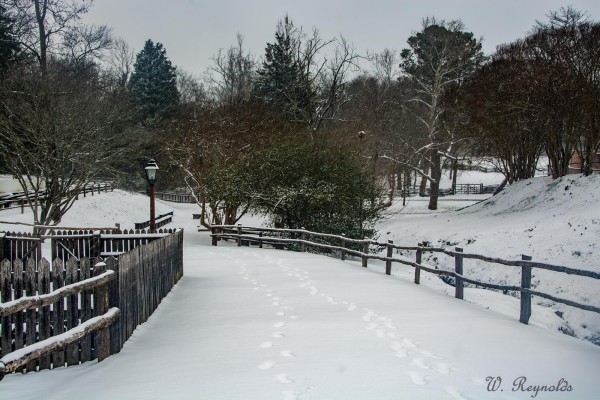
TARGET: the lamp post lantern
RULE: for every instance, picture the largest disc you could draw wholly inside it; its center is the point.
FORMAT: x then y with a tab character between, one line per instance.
151	169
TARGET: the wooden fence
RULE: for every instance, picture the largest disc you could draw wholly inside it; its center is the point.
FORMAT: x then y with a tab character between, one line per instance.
103	243
160	221
298	240
54	306
19	200
15	245
175	197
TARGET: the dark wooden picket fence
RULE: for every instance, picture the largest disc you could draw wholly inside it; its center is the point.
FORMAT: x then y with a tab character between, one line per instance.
302	240
93	304
103	243
15	245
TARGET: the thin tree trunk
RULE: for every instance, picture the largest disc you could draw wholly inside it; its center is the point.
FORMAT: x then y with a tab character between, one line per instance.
436	172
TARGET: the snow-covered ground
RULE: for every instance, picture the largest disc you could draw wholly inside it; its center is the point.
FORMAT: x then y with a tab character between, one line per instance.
247	323
554	221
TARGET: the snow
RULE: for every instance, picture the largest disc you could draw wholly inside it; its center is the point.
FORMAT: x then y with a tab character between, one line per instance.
554	221
249	323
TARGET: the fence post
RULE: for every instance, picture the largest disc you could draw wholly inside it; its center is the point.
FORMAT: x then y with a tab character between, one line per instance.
101	305
418	259
481	188
525	297
342	245
365	251
213	232
388	262
303	238
22	206
458	268
260	242
239	232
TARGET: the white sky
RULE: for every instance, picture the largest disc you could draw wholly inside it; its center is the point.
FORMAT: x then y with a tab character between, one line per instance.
193	30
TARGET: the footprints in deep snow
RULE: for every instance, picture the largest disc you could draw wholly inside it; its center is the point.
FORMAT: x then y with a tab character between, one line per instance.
273	347
421	365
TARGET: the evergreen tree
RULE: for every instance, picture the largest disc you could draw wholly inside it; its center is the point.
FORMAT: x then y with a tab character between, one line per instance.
154	83
280	82
8	44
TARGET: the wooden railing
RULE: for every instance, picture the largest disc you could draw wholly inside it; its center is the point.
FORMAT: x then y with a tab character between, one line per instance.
298	238
19	200
160	221
176	197
27	356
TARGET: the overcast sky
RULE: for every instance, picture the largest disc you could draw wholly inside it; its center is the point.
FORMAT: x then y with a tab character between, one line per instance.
193	30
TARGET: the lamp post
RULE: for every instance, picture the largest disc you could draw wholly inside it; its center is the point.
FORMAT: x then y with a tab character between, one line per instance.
151	169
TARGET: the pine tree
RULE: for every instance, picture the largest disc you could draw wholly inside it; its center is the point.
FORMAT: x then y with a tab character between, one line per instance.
9	47
154	83
280	82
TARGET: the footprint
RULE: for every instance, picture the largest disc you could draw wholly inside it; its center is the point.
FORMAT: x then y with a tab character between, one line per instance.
442	368
416	378
266	345
430	355
419	362
288	354
266	365
293	317
452	391
351	308
280	314
280	324
283	378
278	335
275	303
370	327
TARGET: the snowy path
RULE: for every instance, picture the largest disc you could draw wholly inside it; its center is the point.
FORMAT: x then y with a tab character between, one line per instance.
265	324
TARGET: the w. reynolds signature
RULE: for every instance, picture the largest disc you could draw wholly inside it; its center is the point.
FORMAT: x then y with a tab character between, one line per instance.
520	384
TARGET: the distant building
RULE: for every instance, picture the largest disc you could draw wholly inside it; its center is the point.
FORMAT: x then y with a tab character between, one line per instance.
575	163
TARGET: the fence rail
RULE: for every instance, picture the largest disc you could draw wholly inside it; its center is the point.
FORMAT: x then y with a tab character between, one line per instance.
361	248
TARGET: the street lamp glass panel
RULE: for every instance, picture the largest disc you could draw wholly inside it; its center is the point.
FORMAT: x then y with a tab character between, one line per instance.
151	169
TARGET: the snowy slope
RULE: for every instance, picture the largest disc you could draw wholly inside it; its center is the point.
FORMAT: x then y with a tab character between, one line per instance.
553	221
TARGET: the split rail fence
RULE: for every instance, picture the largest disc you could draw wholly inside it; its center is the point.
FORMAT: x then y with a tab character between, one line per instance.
303	240
75	310
19	200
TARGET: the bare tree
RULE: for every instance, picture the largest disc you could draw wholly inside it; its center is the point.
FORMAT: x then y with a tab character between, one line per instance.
232	74
120	62
58	132
441	55
52	27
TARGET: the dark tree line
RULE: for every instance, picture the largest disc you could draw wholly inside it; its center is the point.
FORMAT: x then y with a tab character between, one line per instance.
540	95
232	134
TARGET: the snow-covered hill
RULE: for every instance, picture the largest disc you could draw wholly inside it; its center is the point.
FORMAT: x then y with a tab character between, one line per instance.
554	221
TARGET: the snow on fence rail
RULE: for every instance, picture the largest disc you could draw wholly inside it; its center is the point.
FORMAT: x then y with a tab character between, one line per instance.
38	300
360	248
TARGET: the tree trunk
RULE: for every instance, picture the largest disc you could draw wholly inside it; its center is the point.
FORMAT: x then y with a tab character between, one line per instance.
454	171
436	172
423	184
